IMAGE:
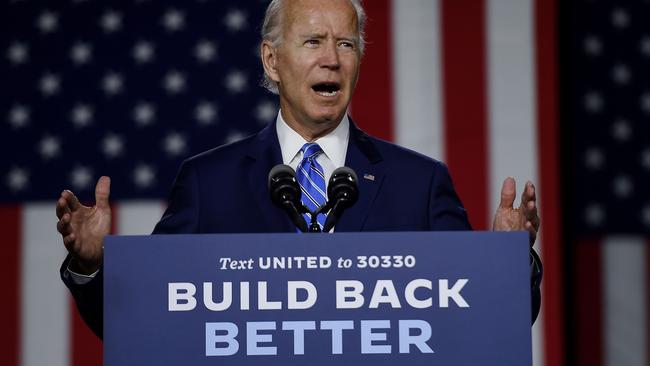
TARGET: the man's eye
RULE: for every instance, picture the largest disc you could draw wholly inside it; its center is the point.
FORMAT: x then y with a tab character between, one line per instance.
346	44
311	42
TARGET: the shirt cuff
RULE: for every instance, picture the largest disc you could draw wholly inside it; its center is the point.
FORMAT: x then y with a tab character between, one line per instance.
80	279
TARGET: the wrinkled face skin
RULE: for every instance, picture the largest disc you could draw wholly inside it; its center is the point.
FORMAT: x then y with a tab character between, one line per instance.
316	64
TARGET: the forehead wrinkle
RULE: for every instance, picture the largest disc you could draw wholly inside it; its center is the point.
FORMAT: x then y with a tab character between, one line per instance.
317	20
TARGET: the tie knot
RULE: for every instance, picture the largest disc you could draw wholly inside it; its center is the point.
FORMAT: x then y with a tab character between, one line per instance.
310	150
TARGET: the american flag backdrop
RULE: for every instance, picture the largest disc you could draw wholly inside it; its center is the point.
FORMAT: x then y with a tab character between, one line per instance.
605	90
534	89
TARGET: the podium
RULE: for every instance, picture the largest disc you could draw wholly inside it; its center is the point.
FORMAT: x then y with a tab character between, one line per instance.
421	298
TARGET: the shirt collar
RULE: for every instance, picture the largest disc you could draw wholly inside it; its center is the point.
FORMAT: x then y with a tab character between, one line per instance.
334	144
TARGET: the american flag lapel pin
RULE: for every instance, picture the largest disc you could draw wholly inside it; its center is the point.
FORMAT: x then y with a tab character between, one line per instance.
369	177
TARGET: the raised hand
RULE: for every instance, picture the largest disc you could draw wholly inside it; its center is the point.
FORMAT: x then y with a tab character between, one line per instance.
508	218
83	228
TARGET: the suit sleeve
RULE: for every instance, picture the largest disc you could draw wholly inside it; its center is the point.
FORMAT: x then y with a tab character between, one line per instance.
89	297
181	216
448	213
182	213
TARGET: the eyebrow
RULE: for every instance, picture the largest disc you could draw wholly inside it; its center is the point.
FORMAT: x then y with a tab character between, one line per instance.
323	36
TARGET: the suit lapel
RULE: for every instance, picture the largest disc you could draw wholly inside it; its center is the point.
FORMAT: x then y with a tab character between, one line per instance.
263	155
364	158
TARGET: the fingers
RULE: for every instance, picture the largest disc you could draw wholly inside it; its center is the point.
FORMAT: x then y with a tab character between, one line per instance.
508	193
68	202
62	207
528	194
529	209
69	242
102	191
529	204
63	225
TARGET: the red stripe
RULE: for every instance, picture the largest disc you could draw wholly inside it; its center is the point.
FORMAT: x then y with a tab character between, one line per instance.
547	132
587	311
86	348
647	295
373	100
10	217
463	40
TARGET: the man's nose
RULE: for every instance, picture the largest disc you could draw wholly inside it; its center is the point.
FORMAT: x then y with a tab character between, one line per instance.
330	56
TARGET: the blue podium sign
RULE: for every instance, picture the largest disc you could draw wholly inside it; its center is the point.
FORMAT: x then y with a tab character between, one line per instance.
426	298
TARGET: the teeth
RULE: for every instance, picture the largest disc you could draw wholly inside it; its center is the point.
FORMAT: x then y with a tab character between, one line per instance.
327	94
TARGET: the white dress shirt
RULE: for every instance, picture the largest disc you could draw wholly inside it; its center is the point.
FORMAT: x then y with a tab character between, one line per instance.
334	146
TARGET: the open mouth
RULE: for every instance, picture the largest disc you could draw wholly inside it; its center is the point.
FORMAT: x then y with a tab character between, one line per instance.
327	89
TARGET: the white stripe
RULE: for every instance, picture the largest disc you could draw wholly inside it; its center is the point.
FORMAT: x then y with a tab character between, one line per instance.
313	184
45	304
624	271
512	125
417	76
138	217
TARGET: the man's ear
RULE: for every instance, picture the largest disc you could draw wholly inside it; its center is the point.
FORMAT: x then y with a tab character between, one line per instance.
269	60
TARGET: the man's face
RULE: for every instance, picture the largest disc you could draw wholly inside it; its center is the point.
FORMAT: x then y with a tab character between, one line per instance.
317	63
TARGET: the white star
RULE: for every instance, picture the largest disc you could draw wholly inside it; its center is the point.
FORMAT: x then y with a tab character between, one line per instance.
112	145
47	22
235	20
174	144
17	179
205	113
593	102
81	115
621	74
266	111
112	83
593	45
111	21
173	20
18	116
236	82
18	53
234	137
645	46
81	53
143	52
49	147
623	186
174	82
594	215
645	216
143	176
50	84
645	159
620	18
144	114
81	177
645	102
621	130
594	159
205	51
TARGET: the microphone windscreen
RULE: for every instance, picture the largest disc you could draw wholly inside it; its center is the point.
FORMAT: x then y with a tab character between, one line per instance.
347	171
279	171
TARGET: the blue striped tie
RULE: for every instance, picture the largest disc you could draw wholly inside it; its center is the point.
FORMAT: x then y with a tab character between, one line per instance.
311	178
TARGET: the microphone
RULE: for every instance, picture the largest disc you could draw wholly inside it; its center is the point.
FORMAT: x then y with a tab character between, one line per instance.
285	193
342	193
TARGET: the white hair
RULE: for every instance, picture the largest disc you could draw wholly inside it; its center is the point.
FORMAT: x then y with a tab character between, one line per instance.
272	32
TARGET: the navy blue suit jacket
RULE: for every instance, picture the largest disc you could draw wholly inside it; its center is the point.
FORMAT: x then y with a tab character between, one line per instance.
224	191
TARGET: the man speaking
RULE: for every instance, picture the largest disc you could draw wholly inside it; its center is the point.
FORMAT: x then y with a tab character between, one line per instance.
311	52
